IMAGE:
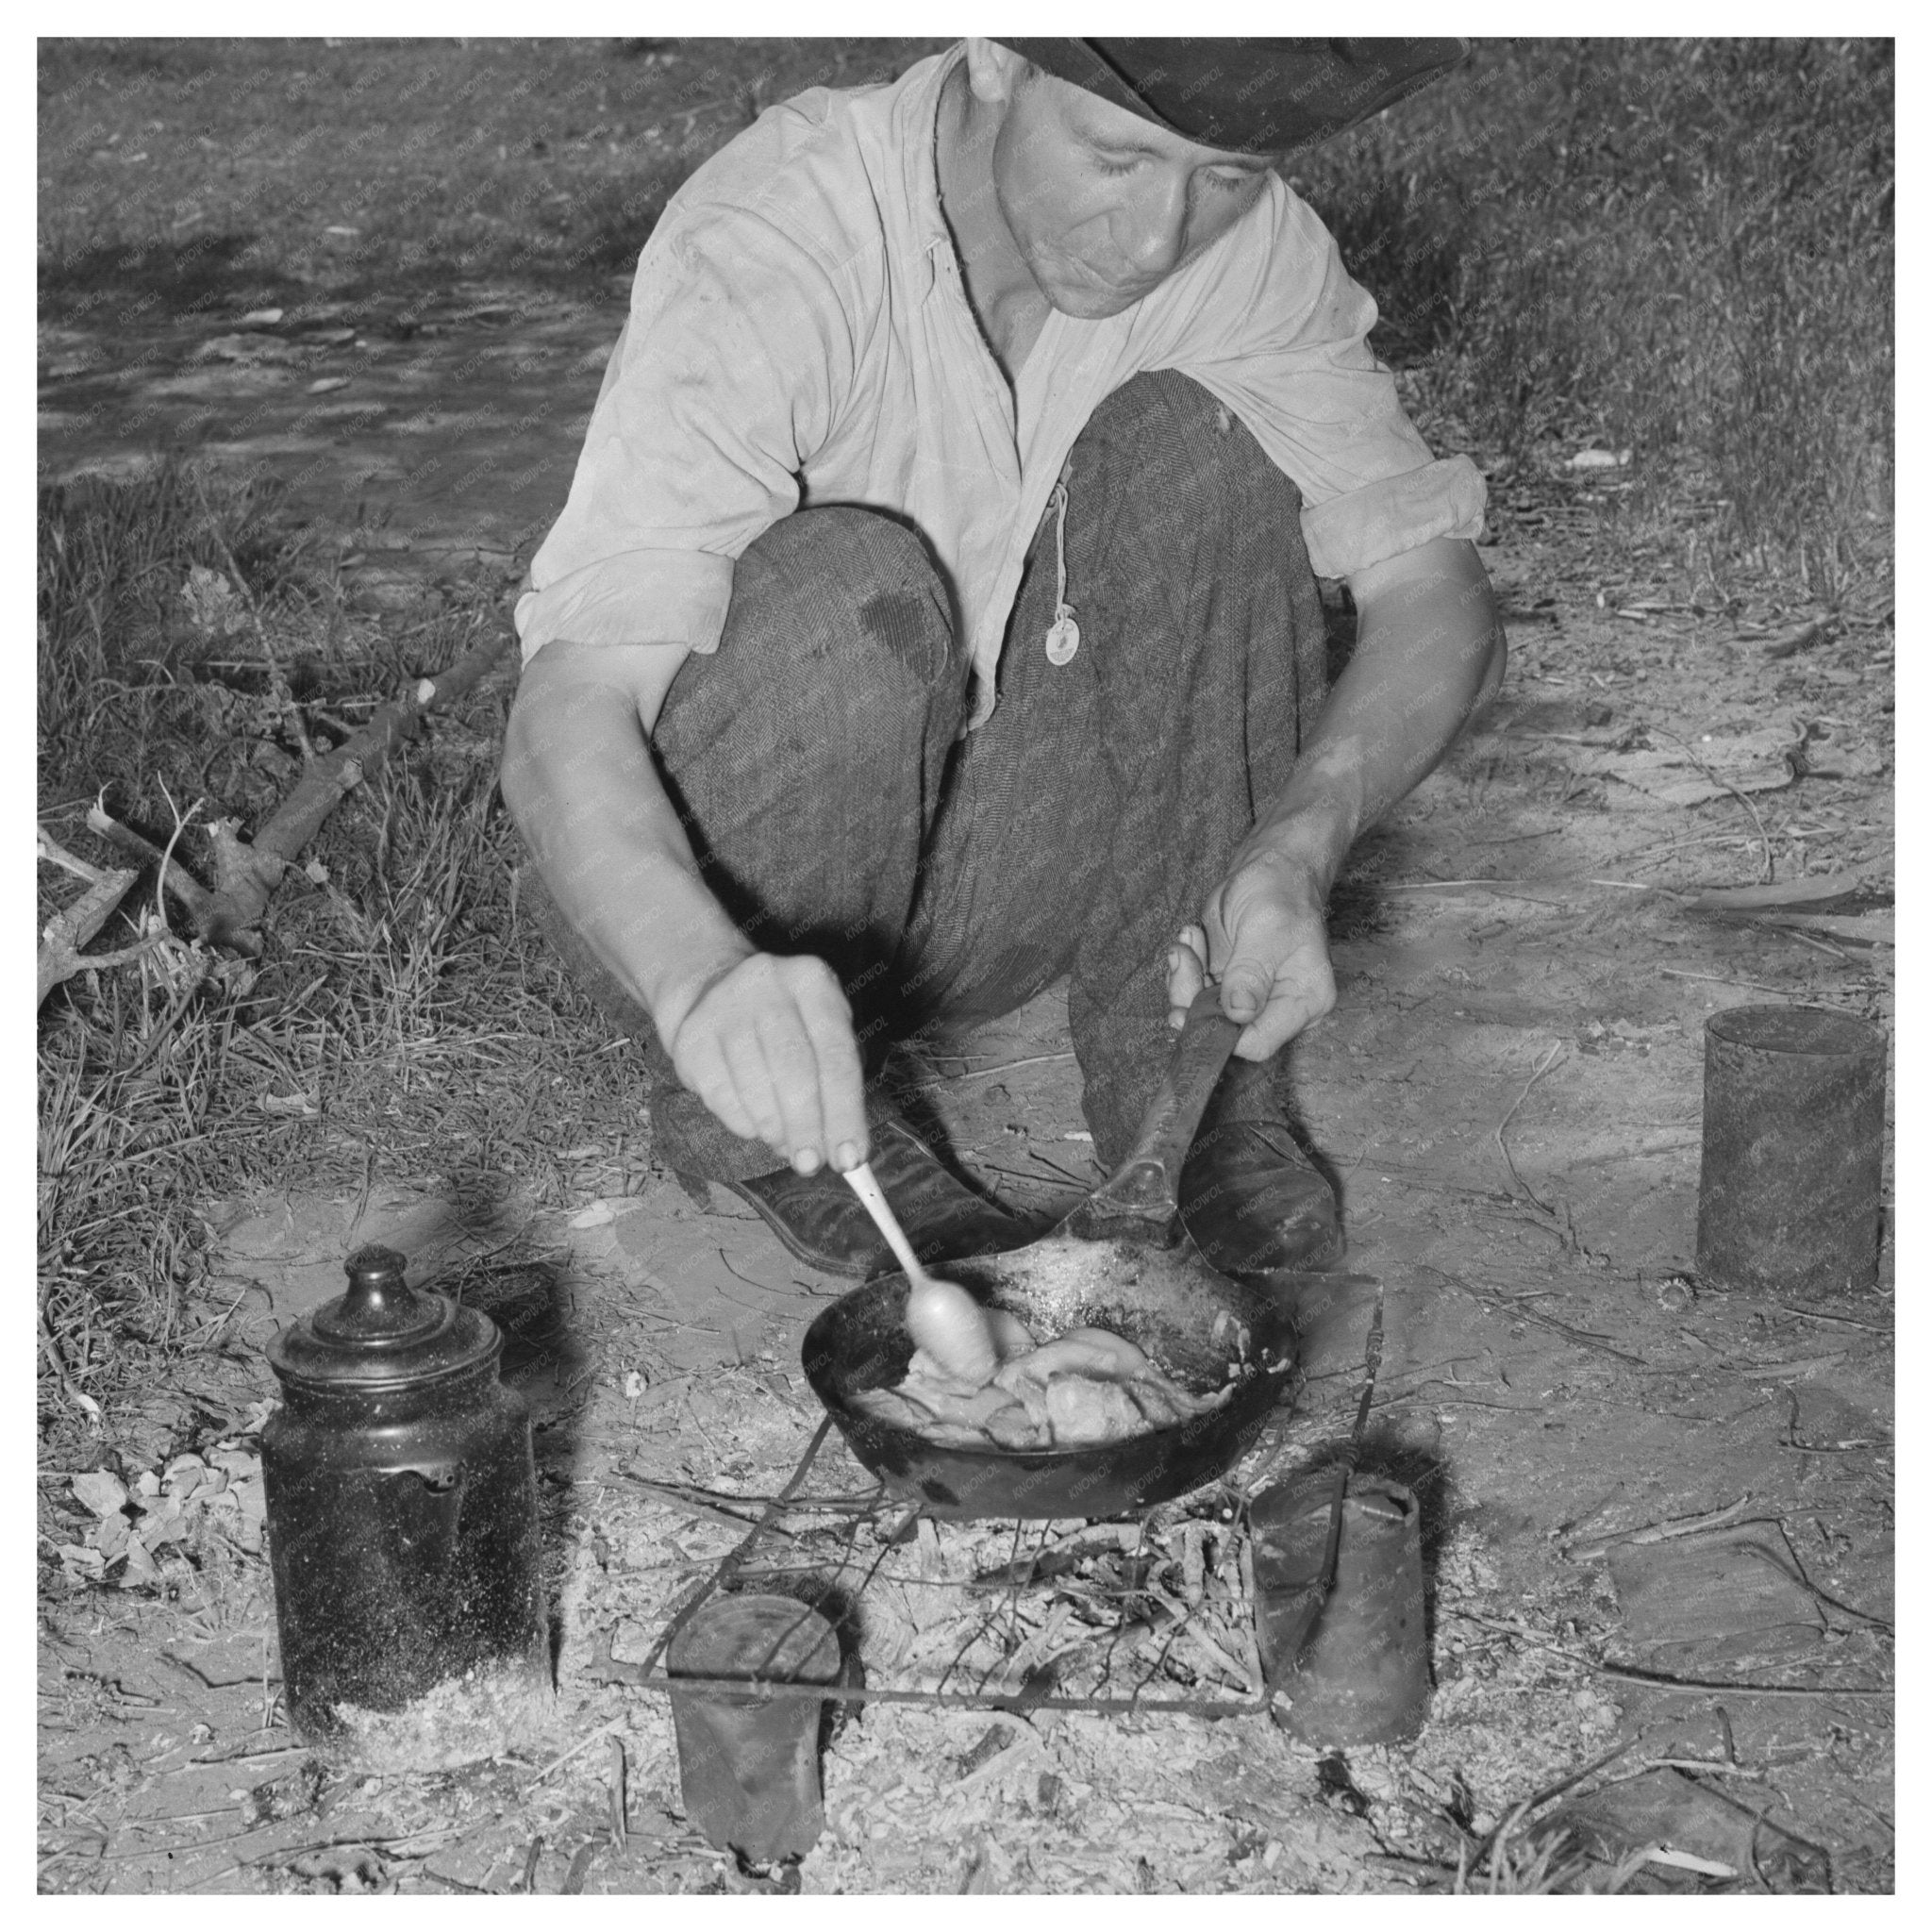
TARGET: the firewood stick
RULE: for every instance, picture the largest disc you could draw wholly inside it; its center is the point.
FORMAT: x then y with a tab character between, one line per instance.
60	956
56	854
194	896
252	871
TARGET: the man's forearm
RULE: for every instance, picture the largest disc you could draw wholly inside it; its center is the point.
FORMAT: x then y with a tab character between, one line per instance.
1429	653
580	779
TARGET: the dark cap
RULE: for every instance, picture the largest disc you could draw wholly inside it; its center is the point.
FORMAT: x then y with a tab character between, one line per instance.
1247	95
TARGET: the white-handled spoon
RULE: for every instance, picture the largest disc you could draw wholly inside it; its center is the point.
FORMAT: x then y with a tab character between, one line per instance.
942	1318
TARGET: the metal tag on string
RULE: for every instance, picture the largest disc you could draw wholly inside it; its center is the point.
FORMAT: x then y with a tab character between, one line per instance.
1063	638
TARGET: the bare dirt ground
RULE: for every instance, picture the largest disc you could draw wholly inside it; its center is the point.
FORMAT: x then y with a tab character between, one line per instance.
1509	1097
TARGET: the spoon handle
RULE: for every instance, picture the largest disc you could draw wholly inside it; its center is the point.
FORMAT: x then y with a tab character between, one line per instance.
866	1187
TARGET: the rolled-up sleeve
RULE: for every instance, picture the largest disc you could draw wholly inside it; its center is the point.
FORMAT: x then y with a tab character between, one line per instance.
1289	356
725	379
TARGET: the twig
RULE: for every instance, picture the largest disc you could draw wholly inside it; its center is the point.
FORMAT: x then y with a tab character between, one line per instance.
1743	798
1823	1599
1778	1372
1554	1788
436	1877
1841	1321
736	1558
672	1499
55	853
1543	1066
60	956
1600	1343
583	1744
1505	889
1017	1174
866	1502
1066	1173
1660	1681
1718	979
1006	1067
1664	1532
620	1794
168	857
251	1756
1792	932
1519	1305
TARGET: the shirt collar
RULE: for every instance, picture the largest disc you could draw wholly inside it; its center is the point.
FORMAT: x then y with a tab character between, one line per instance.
930	235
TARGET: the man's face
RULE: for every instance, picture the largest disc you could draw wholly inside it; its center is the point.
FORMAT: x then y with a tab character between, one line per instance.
1103	206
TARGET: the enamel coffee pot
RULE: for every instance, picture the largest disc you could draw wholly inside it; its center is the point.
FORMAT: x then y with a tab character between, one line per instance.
402	1502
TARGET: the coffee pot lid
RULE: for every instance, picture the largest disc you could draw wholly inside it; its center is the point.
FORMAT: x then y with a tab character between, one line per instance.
382	1333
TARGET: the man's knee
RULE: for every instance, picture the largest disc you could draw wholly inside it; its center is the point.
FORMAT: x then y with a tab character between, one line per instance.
849	585
1176	435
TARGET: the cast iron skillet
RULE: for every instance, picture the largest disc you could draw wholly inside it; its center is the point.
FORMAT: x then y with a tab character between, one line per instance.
1120	1260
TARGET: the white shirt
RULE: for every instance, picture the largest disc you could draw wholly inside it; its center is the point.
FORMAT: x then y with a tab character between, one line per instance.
799	335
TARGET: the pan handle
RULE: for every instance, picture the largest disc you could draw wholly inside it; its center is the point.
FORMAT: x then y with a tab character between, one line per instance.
1145	1187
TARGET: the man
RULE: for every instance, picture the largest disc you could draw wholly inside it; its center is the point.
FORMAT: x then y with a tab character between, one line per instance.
934	616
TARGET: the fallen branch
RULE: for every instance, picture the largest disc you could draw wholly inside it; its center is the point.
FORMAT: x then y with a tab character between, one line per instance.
195	898
60	957
247	874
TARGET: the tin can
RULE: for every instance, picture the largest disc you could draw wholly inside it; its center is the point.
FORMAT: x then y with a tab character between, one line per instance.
1788	1192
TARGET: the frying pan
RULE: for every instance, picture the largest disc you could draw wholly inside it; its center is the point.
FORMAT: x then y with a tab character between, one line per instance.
1121	1260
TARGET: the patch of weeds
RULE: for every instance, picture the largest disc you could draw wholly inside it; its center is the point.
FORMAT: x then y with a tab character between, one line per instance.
1684	248
119	653
404	1022
1520	1864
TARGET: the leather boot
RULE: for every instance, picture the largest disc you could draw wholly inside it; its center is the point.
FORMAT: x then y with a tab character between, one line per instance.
820	1220
1253	1203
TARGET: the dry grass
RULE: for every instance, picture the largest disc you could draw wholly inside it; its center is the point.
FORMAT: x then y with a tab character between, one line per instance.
1520	1863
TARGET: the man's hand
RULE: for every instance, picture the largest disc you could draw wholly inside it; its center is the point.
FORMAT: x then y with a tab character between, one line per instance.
1429	653
767	1044
1263	937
